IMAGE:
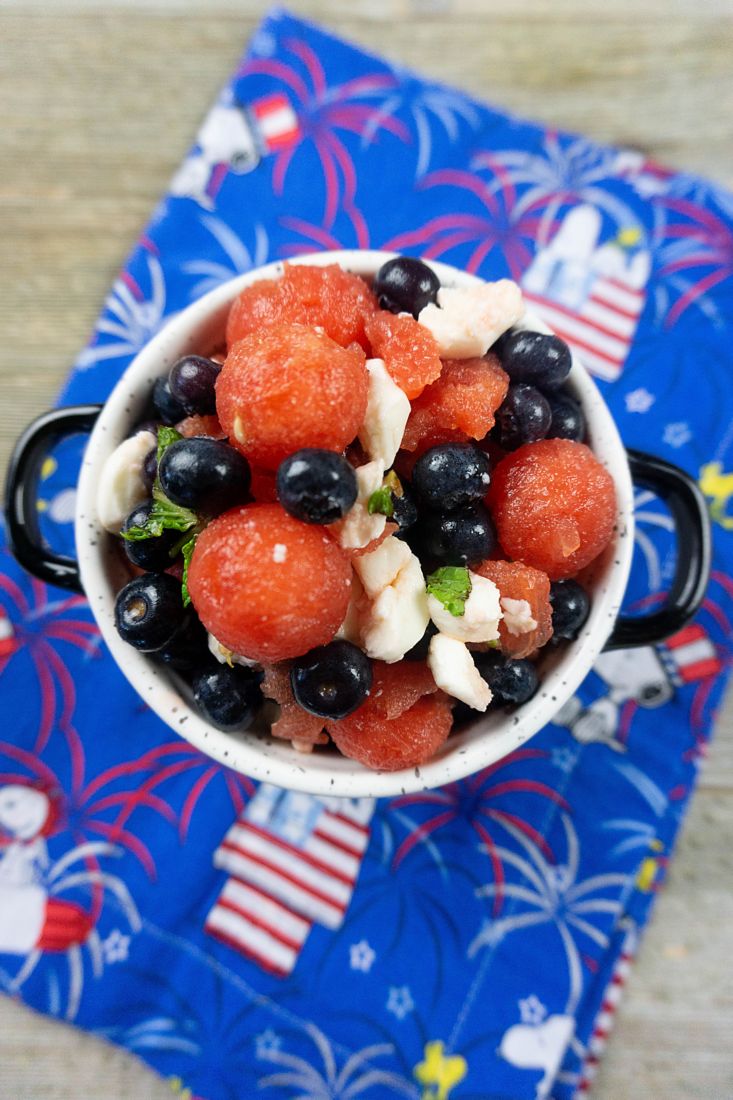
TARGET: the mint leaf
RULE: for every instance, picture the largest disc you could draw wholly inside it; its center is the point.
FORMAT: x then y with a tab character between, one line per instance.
166	436
451	585
187	551
381	501
164	516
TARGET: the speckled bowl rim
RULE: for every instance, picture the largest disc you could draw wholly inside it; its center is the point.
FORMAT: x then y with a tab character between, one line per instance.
199	328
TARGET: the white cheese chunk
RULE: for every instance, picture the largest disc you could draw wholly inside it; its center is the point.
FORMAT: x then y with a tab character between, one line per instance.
468	320
480	619
226	656
388	409
397	615
121	487
517	616
454	672
358	528
380	568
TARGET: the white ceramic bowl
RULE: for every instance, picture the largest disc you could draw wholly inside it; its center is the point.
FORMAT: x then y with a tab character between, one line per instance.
200	328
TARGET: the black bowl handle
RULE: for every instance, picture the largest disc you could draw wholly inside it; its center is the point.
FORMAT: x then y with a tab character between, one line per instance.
692	524
21	494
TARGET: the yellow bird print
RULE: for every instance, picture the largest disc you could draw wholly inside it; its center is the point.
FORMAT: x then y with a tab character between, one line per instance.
718	486
439	1072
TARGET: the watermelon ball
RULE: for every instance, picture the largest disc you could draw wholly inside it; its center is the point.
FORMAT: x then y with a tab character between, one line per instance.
267	586
204	474
570	609
149	610
290	387
228	697
328	297
463	399
451	475
461	537
153	553
406	285
409	351
316	486
192	381
535	358
554	506
511	682
524	417
402	723
332	680
169	409
389	744
567	418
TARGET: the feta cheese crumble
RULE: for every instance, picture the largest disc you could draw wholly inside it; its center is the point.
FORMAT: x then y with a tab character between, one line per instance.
517	616
468	320
121	487
396	616
454	671
388	409
358	528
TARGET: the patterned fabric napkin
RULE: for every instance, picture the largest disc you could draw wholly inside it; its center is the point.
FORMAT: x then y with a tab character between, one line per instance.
467	943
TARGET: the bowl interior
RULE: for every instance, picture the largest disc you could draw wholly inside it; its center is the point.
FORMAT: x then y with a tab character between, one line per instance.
490	737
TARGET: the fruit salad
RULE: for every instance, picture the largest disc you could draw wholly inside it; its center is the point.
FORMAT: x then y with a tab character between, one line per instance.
367	518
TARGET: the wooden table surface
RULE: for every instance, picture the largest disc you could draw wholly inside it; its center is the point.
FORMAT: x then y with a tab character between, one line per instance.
100	101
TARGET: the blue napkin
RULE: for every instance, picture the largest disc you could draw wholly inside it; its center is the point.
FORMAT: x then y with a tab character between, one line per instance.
467	943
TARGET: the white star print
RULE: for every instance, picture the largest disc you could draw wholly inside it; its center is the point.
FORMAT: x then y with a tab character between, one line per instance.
362	956
677	434
532	1010
400	1002
266	1043
639	401
564	759
116	947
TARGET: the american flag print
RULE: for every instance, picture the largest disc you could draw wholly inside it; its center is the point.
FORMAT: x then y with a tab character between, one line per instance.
293	861
689	655
592	295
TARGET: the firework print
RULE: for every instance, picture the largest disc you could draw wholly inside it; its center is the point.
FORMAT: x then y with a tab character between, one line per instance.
468	943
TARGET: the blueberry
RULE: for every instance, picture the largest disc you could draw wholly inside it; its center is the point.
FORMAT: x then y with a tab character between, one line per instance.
568	418
463	537
451	475
405	285
511	682
169	409
149	610
535	358
149	470
524	417
570	609
192	382
153	554
419	651
228	697
405	509
188	649
332	680
316	486
204	474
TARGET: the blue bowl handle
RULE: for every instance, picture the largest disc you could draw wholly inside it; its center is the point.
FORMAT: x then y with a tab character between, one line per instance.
21	494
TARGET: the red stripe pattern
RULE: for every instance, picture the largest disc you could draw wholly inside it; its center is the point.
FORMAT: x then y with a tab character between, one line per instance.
293	861
604	1021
